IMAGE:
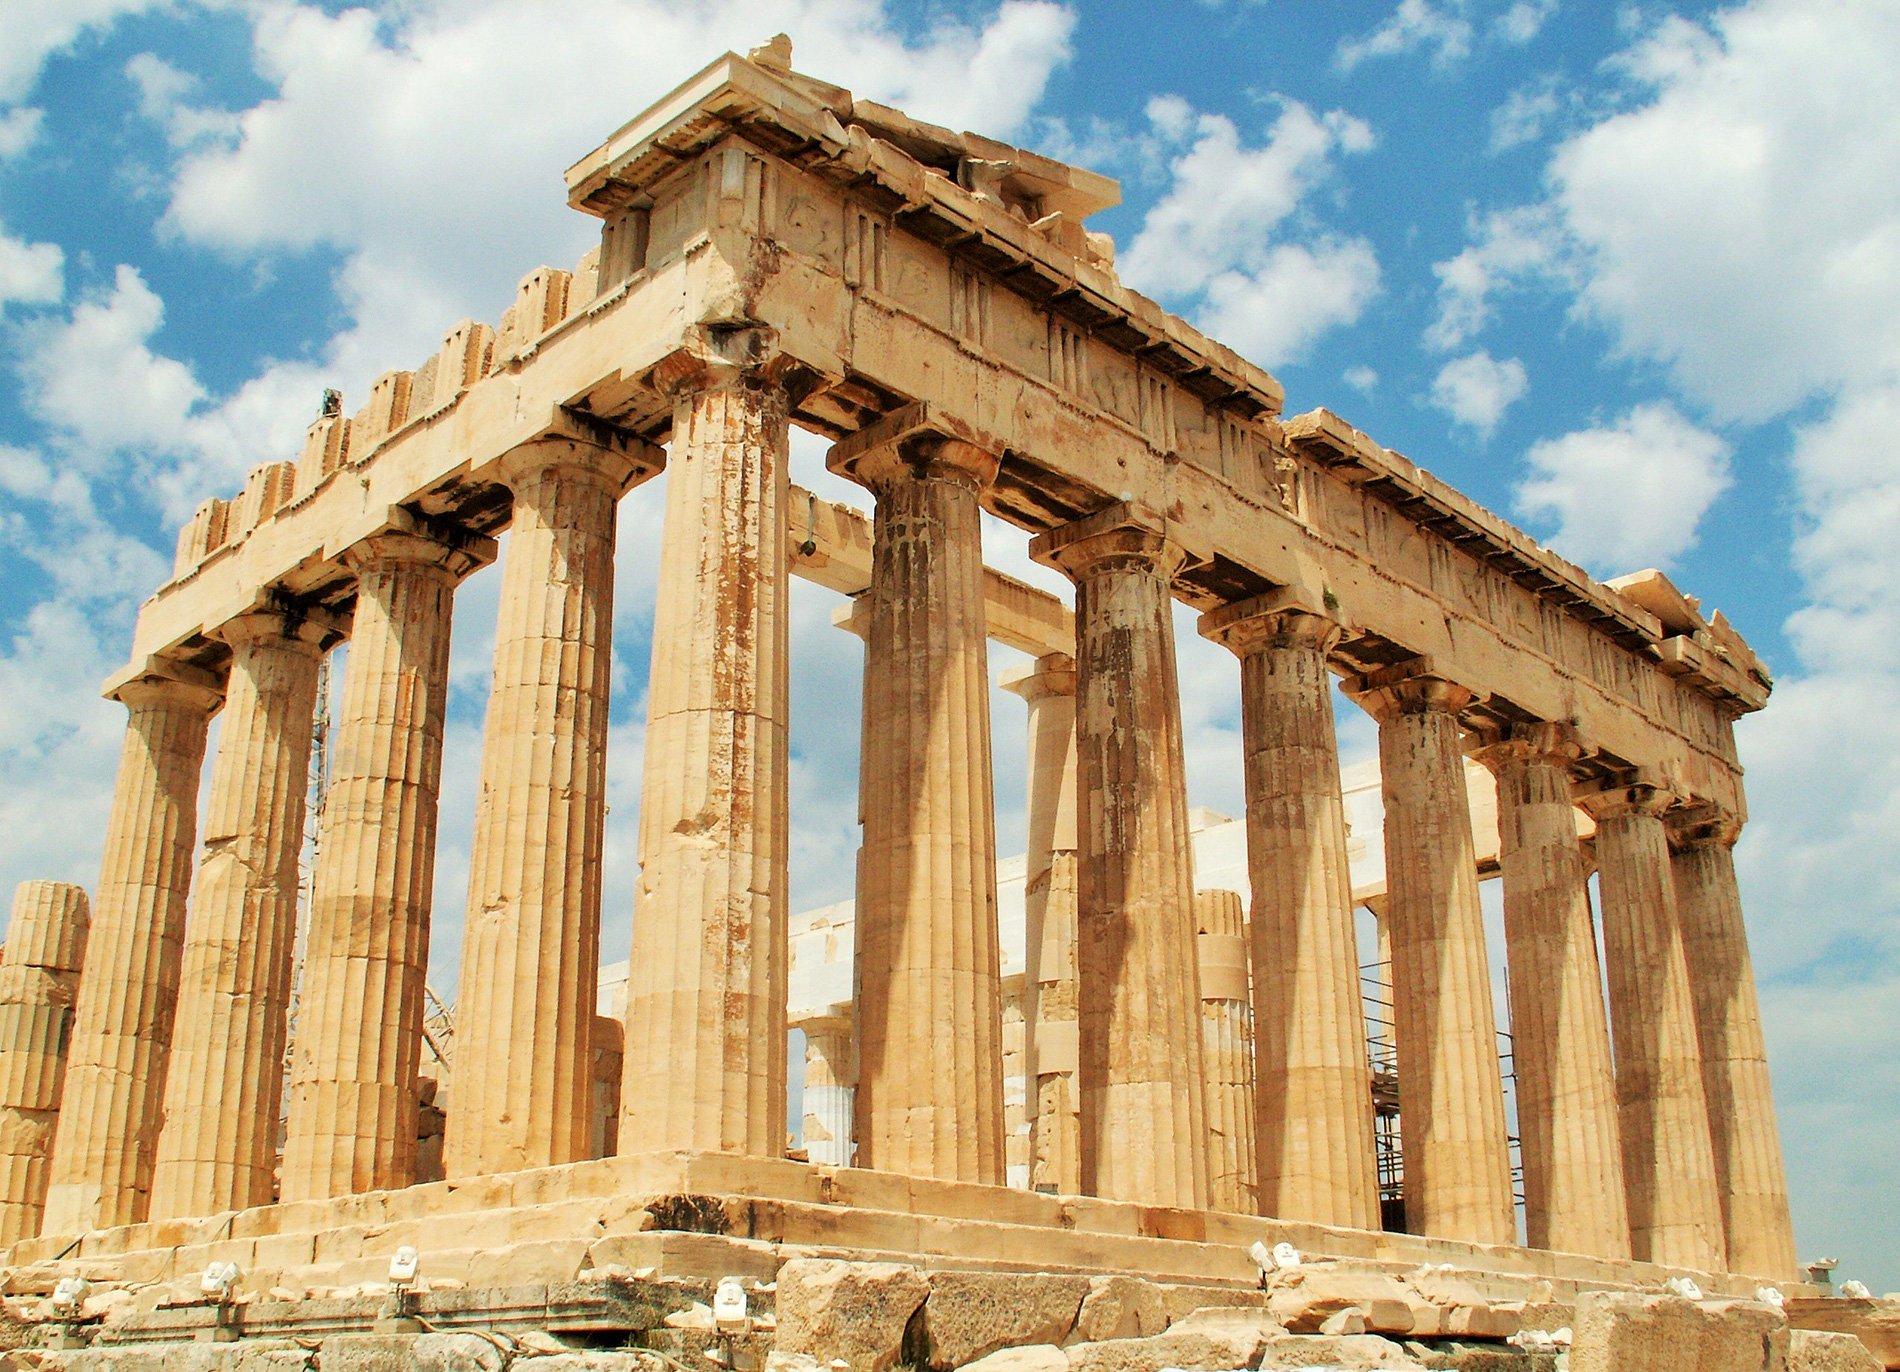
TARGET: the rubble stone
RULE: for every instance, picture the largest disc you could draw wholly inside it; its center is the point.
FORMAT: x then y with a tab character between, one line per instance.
857	1311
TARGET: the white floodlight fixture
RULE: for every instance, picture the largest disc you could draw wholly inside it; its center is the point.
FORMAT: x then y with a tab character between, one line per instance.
69	1295
1771	1295
729	1307
1684	1287
218	1281
404	1267
1856	1291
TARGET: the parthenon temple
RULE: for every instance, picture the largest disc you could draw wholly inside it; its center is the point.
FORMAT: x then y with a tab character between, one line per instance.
1178	1066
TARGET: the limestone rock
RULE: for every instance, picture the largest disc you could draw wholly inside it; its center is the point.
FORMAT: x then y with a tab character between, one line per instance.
1875	1323
1227	1349
970	1314
1617	1331
411	1353
1351	1352
857	1311
1120	1308
1811	1350
1304	1298
1041	1357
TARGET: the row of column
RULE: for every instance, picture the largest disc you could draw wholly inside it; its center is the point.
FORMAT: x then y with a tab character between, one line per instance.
707	989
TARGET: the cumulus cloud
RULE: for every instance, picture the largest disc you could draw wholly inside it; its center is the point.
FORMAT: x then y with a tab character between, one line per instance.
1228	242
1524	115
1627	495
30	273
1443	30
31	31
1476	390
1509	248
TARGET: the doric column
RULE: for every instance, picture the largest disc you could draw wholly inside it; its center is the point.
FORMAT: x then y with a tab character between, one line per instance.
1741	1103
930	1031
831	1076
352	1113
1560	1035
1138	1022
218	1148
1668	1161
39	979
1227	1052
706	995
1312	1091
1451	1093
524	1017
101	1171
1047	685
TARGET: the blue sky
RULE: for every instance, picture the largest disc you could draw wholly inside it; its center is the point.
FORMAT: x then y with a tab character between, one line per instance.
1629	275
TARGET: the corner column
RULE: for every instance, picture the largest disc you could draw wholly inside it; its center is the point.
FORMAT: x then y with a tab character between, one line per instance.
706	995
1451	1092
830	1079
1139	1038
929	1014
521	1091
1227	1052
1740	1098
39	979
100	1175
1312	1088
1560	1034
1668	1160
217	1150
1047	686
351	1117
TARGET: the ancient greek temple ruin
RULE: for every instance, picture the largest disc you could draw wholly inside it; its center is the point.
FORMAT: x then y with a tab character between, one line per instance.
775	253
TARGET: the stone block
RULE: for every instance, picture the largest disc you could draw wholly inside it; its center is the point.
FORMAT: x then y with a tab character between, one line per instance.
1811	1350
1036	1358
1304	1298
1617	1331
1120	1308
1349	1353
1224	1349
855	1311
971	1314
1875	1323
411	1353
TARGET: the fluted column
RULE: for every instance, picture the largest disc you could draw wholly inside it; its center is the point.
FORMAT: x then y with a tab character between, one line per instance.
521	1091
831	1076
1560	1034
352	1113
706	995
100	1175
39	980
1227	1052
1139	1039
1312	1089
217	1149
930	1029
1451	1093
1668	1160
1047	685
1741	1102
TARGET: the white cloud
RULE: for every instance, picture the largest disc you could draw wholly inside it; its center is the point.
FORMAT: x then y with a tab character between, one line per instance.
1414	25
19	130
33	30
1510	247
1477	389
1628	495
94	376
1524	114
1362	379
30	273
1523	21
1217	244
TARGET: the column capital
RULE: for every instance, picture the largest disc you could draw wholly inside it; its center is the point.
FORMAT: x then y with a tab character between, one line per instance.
1554	744
616	466
715	356
1283	618
163	682
919	441
1052	674
413	539
1703	823
305	631
1412	687
1121	533
1637	792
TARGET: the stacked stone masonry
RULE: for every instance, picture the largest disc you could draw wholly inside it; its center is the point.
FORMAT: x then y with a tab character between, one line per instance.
774	254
